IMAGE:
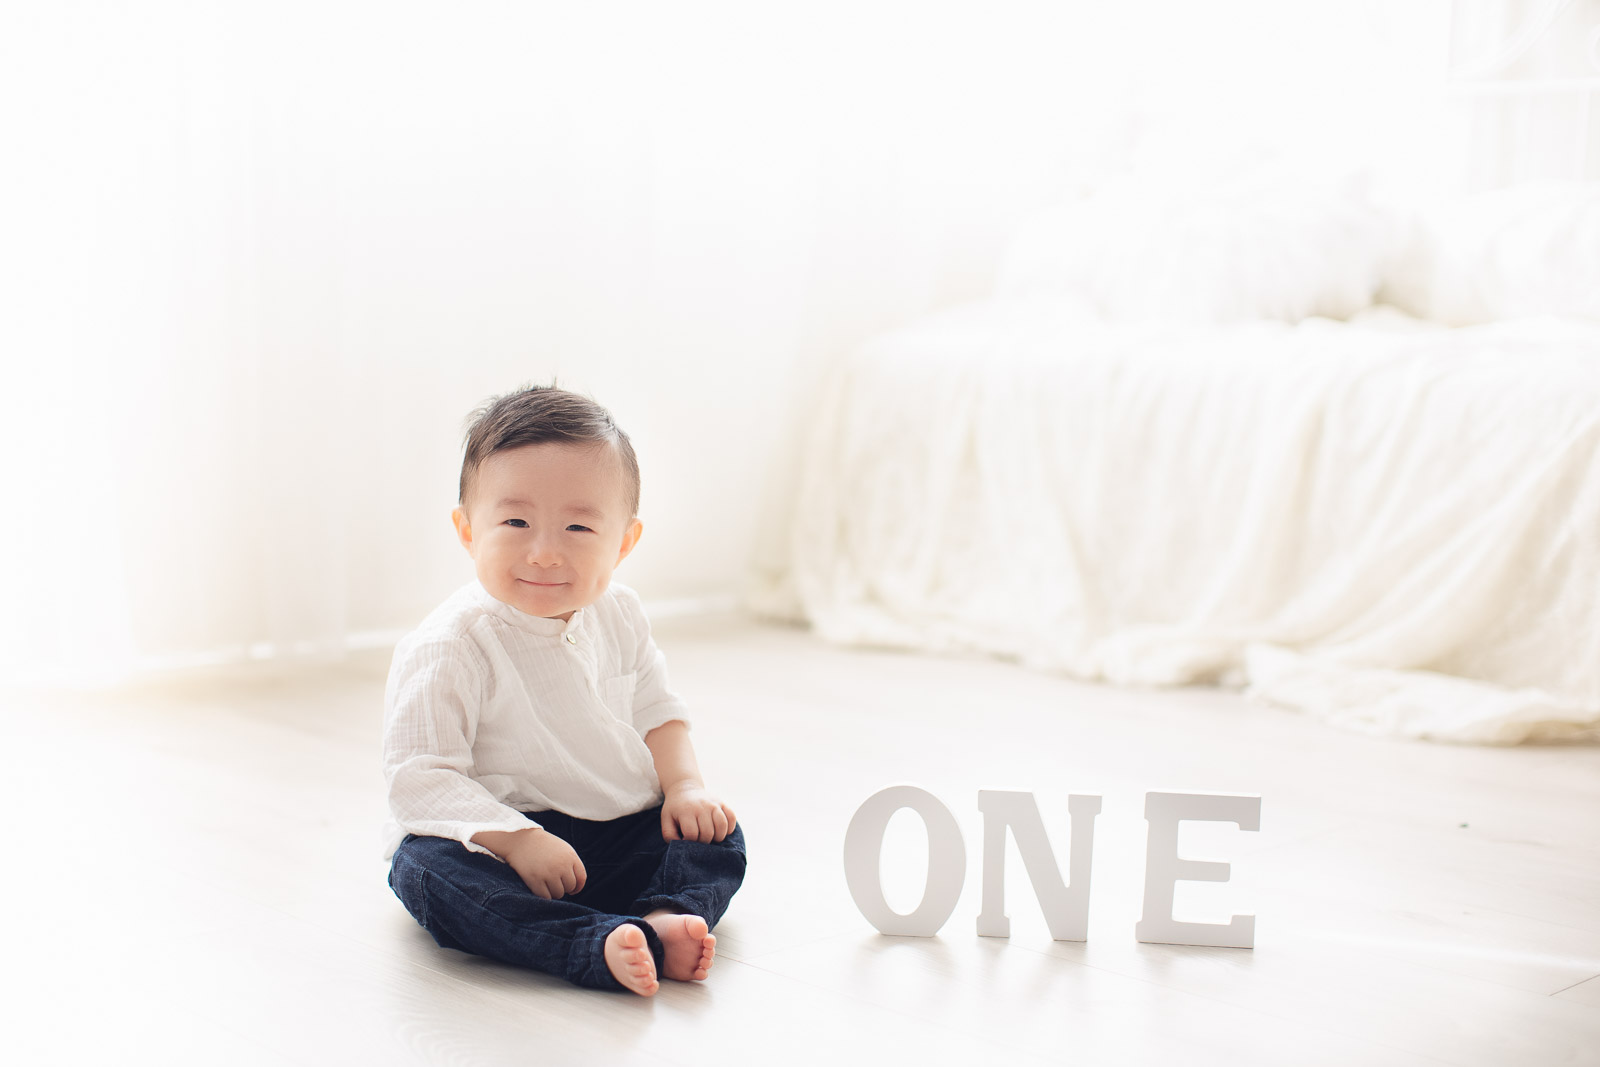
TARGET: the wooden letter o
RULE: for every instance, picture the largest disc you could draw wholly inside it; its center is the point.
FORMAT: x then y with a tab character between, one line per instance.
947	861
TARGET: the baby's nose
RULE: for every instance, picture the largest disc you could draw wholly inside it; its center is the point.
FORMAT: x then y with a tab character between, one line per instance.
544	552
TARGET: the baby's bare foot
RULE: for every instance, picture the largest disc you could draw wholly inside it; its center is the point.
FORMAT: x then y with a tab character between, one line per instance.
628	957
689	943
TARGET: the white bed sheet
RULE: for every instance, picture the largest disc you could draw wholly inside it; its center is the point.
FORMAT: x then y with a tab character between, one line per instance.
1393	526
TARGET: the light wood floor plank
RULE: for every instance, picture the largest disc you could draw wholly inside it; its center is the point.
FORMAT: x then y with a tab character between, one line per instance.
232	907
1587	992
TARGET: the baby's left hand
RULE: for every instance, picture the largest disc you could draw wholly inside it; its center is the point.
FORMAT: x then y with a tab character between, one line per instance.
689	813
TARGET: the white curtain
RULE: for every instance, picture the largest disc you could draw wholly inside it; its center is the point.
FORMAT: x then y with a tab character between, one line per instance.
1524	91
261	259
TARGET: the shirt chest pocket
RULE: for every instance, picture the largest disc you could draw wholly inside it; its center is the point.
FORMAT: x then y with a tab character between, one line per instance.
617	695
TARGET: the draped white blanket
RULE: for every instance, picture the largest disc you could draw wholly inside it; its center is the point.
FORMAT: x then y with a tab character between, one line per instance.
1393	526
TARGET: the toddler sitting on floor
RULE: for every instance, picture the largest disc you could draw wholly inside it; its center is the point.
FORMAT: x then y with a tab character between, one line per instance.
547	805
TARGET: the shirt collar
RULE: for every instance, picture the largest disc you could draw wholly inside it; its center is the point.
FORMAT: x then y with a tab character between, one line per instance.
533	624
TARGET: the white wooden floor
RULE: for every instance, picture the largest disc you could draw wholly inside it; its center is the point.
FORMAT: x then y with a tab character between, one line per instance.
193	877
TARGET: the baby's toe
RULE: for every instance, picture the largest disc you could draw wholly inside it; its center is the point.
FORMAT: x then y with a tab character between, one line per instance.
629	960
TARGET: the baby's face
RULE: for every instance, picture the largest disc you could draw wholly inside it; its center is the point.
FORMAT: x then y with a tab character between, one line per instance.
547	525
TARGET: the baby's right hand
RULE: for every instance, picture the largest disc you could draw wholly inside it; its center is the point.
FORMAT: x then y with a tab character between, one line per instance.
546	864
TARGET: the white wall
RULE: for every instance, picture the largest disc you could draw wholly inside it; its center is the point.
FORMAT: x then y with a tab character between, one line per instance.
271	254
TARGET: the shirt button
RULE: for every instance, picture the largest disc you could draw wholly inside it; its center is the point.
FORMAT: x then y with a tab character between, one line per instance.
571	640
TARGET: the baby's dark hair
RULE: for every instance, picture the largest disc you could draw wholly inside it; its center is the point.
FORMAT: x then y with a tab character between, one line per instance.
536	414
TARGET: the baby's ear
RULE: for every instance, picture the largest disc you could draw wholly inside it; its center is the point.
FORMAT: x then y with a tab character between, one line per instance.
630	538
463	528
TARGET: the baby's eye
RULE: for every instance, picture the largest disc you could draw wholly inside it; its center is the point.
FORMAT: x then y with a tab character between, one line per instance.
521	524
575	526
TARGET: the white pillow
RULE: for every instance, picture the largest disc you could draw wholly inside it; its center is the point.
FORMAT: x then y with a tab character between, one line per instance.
1530	250
1271	243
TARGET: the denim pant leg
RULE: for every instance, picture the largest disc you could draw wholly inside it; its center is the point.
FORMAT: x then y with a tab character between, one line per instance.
685	876
478	904
697	878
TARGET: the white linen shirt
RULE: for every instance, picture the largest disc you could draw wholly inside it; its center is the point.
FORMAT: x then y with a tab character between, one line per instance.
490	711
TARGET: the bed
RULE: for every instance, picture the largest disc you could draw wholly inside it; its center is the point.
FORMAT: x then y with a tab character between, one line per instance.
1288	437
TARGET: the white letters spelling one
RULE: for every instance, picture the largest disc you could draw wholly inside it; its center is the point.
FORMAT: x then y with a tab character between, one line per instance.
1065	904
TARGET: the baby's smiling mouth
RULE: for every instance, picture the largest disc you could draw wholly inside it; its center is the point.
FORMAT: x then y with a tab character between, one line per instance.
545	585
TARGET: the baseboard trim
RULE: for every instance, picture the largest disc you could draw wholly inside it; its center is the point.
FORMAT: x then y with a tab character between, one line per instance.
265	652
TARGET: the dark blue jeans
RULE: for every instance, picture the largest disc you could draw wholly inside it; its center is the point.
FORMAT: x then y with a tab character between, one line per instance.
478	904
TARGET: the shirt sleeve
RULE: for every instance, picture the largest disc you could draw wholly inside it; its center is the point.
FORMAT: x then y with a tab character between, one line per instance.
653	702
431	708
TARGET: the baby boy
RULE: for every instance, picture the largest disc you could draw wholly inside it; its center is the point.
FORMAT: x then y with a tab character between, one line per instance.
548	810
